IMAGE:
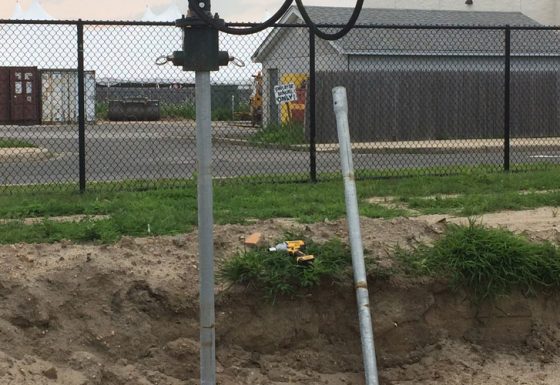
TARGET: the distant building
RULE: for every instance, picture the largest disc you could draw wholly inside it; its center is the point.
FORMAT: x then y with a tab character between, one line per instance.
408	84
544	11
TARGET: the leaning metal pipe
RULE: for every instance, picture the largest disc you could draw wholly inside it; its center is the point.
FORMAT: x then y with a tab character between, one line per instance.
205	229
353	218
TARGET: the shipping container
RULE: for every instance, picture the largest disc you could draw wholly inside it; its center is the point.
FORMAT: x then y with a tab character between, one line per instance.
59	96
19	95
5	98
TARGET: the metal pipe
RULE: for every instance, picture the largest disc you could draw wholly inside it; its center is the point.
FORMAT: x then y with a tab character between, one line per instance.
353	218
205	229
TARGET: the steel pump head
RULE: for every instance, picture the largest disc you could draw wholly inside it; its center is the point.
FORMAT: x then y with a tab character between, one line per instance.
201	50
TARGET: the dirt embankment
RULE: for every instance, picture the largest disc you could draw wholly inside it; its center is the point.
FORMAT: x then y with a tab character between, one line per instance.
128	314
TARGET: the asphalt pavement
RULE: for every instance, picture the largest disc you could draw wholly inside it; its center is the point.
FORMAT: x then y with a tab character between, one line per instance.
163	150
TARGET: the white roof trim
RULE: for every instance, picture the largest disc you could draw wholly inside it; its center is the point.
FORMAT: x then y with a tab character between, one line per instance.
292	16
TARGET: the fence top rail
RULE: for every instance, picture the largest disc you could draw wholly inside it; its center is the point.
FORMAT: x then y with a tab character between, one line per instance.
413	26
90	22
290	25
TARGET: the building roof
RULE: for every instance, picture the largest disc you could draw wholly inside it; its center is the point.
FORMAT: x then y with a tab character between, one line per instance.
384	16
385	41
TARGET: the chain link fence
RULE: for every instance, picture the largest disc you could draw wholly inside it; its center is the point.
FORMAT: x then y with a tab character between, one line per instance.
83	105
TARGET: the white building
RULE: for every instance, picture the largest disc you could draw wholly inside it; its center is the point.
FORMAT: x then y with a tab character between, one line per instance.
544	11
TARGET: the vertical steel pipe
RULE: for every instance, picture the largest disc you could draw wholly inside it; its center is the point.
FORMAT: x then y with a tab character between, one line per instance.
205	229
353	218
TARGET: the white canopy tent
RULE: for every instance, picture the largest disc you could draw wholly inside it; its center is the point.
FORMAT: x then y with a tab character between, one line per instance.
117	54
172	13
18	13
34	12
148	15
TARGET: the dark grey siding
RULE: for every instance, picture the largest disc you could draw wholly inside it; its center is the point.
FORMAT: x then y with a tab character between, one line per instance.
457	100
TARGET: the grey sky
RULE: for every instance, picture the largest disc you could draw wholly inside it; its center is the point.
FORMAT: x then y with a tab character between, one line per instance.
231	10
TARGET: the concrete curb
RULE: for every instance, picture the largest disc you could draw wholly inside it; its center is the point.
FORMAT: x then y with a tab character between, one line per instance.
24	153
414	147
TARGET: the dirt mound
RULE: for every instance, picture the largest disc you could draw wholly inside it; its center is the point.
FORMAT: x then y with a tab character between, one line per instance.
128	314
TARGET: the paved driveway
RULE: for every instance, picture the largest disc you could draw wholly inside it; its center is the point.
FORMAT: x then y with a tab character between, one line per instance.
157	150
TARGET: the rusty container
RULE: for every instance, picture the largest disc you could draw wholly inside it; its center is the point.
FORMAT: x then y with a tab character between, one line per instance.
19	95
5	98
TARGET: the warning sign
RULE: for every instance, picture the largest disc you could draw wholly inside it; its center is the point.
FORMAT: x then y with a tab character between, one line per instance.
284	93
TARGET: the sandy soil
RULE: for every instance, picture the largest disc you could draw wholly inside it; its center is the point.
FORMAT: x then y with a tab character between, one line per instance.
127	314
541	223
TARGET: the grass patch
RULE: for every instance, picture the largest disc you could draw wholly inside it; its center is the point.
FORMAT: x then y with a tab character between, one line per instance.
486	262
480	191
284	134
173	210
187	111
476	204
102	110
15	143
178	111
50	231
278	274
222	114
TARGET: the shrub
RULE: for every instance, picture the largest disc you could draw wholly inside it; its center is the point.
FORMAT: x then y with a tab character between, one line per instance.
101	110
278	273
15	143
286	134
178	111
488	262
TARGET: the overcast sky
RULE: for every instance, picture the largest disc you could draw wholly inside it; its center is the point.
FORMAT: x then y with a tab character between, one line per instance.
231	10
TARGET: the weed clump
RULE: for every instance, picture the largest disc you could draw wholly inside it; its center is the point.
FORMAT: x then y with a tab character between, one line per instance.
487	262
279	274
281	134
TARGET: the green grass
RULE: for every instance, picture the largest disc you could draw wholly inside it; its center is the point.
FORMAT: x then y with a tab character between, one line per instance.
285	134
486	262
178	111
479	191
278	274
15	143
222	114
188	111
101	110
174	210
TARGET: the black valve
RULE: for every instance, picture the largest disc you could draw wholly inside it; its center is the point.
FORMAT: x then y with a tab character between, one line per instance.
201	47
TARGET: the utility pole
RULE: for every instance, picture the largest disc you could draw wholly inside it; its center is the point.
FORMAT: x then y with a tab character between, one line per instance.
201	54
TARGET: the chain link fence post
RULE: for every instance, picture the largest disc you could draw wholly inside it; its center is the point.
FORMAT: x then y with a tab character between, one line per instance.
81	108
507	99
312	111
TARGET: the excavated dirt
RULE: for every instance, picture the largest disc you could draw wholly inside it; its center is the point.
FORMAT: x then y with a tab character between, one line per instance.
127	314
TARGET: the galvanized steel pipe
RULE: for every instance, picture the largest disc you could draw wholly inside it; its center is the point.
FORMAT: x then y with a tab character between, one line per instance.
353	218
205	229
